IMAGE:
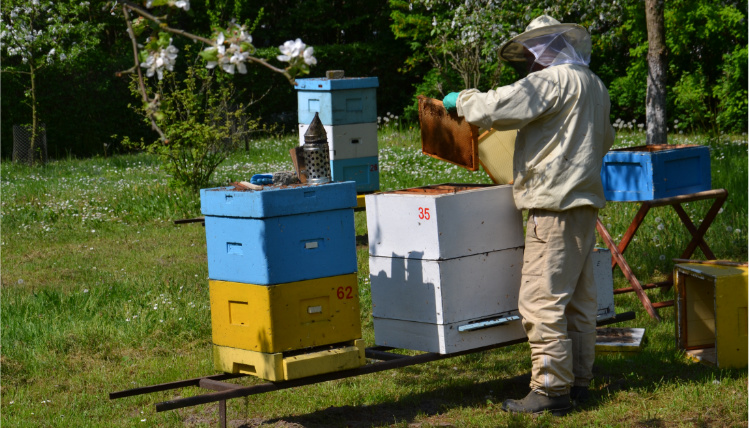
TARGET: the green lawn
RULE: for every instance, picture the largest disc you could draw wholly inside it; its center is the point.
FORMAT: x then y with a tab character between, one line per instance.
102	292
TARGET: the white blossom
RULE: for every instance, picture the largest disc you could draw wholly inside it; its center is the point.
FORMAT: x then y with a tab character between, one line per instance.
308	58
295	52
159	60
291	49
182	4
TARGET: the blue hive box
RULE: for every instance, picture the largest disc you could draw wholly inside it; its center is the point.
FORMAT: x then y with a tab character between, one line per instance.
337	101
280	234
645	173
364	171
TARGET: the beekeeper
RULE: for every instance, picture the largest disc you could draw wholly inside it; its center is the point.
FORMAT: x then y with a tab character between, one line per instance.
561	112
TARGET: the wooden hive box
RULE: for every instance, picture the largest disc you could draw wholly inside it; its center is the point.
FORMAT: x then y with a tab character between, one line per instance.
446	306
285	317
337	101
280	234
645	173
353	141
443	221
711	313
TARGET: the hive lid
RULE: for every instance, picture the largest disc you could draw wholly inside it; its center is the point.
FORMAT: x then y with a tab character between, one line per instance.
496	149
446	136
325	84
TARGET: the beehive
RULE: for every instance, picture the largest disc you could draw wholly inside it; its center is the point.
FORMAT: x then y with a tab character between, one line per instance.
337	101
653	172
365	172
443	221
347	108
445	264
348	141
285	317
280	234
711	313
277	367
282	275
437	305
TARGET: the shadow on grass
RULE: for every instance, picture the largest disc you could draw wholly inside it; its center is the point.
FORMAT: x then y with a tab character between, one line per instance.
641	374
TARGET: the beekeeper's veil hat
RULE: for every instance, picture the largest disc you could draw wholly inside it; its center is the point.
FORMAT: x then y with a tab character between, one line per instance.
551	43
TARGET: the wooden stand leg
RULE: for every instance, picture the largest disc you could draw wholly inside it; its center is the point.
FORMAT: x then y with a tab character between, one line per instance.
622	263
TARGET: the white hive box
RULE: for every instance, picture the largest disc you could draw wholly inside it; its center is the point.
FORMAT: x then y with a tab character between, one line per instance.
604	283
446	291
357	140
443	221
446	306
446	338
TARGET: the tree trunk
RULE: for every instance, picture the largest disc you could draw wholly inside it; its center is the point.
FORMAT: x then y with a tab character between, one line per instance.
34	119
655	107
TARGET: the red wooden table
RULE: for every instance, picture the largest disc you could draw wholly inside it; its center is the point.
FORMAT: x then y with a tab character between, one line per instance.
617	250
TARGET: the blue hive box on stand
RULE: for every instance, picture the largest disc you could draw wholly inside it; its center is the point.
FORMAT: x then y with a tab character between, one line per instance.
281	233
646	173
338	101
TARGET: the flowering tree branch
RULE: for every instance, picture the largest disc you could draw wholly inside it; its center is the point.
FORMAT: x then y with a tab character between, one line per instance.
141	83
229	49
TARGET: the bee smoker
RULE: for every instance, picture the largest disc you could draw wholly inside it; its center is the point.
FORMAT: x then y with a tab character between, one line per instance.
316	155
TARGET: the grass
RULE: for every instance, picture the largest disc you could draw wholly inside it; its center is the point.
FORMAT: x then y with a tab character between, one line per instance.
102	292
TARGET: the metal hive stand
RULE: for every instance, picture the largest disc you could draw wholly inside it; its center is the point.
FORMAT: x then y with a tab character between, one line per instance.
386	360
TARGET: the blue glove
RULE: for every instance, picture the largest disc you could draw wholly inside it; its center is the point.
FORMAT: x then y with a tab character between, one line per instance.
262	179
450	100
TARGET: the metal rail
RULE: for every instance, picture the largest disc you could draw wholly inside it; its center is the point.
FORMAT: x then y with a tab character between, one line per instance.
224	390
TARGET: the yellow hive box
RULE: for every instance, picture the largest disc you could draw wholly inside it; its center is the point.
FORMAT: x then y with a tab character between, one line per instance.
285	317
276	367
711	313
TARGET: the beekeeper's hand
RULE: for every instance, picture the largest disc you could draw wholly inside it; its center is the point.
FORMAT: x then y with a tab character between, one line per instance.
450	100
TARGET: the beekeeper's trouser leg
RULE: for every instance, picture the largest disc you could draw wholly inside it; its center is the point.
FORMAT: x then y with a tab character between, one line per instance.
558	300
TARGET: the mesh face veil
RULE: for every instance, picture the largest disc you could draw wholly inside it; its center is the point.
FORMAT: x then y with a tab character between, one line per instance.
550	42
564	47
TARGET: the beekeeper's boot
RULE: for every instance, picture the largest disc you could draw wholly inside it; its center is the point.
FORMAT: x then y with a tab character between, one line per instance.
579	394
539	403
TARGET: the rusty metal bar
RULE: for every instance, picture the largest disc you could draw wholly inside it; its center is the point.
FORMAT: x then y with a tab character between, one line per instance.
644	287
227	390
382	354
222	413
190	220
624	316
216	385
696	236
276	386
171	385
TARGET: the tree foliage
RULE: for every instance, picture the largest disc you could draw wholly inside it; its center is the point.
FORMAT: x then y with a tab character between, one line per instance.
202	123
36	34
706	41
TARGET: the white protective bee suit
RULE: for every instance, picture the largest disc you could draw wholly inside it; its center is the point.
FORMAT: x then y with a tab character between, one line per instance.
562	114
